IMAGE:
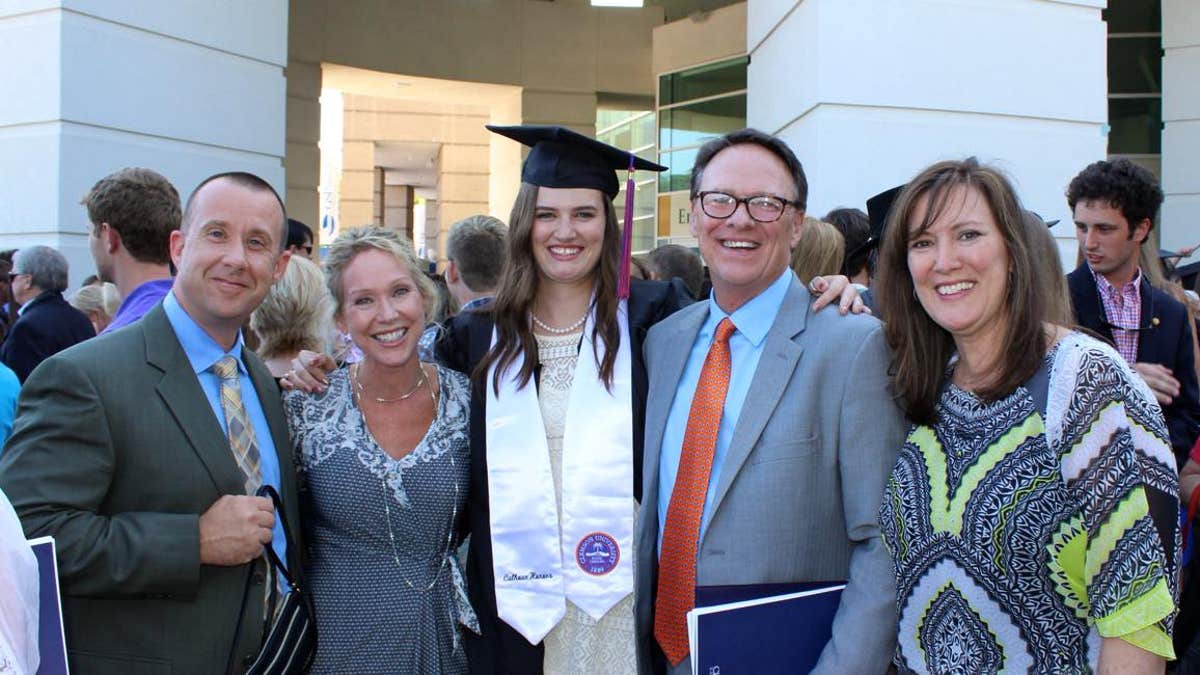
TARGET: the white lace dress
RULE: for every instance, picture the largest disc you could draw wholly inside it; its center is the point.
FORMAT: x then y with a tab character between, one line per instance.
578	644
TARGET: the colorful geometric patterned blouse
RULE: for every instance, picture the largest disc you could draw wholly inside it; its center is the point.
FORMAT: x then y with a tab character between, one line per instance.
1020	541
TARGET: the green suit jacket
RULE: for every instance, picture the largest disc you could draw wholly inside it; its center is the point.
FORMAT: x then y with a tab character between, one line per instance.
115	453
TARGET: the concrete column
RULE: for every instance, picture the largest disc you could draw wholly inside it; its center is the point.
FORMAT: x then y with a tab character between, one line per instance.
303	160
187	89
397	209
1181	124
377	196
868	92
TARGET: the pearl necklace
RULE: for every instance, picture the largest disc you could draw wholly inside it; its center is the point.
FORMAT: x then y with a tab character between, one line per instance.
559	331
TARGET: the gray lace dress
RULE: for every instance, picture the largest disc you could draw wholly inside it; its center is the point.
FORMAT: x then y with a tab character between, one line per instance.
387	587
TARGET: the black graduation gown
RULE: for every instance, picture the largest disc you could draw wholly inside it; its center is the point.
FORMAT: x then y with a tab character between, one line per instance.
500	649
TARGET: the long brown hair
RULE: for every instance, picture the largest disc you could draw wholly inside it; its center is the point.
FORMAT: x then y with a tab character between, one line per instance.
518	288
921	348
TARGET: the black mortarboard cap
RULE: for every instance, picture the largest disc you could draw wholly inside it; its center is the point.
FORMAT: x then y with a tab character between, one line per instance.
878	208
561	158
1035	214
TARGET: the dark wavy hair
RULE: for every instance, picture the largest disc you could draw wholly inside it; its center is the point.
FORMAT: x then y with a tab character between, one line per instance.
518	287
1125	186
921	348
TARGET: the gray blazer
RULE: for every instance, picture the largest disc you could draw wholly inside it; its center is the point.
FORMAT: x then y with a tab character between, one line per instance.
798	496
116	453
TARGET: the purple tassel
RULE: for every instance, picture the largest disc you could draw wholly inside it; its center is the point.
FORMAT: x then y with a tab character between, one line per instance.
626	236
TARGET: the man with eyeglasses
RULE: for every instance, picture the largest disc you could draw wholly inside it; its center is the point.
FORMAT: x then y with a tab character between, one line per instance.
1114	205
769	427
47	324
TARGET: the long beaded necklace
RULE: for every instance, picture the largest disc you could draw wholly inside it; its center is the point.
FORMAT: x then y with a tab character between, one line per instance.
383	485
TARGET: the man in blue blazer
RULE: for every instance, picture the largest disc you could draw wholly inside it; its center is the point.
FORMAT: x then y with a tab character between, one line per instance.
808	431
48	324
1114	204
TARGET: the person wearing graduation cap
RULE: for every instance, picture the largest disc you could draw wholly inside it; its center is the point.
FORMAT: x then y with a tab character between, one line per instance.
558	390
557	406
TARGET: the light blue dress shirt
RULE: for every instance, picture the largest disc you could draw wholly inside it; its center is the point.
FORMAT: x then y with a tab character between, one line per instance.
202	352
753	320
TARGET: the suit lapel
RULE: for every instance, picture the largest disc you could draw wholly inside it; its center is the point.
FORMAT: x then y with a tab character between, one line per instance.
665	369
1147	318
779	357
180	389
1089	312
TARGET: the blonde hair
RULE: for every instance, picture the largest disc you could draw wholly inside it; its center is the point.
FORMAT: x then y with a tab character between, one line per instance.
101	299
820	250
295	313
350	243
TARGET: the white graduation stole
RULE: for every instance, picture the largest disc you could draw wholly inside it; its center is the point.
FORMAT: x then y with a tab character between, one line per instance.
535	569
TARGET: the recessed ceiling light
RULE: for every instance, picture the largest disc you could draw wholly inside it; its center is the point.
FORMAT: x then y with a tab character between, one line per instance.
616	3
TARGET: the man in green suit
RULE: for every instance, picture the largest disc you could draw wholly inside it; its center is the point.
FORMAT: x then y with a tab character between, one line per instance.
139	451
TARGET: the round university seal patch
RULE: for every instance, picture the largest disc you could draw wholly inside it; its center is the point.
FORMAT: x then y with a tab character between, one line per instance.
597	554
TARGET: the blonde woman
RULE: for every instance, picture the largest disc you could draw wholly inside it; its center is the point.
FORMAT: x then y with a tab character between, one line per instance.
382	458
819	252
294	316
99	302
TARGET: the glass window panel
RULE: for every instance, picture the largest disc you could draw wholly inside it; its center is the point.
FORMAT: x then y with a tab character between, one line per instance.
643	131
1134	16
710	80
643	235
643	203
621	137
699	122
1135	126
678	175
1135	65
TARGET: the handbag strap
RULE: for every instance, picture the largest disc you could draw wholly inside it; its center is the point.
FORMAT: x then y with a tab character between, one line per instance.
269	491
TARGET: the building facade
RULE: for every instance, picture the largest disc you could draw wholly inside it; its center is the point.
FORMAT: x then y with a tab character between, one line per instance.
866	91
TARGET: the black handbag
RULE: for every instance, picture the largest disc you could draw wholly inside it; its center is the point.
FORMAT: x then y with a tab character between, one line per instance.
291	636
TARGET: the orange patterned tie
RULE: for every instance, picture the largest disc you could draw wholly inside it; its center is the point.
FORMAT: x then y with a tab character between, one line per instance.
681	534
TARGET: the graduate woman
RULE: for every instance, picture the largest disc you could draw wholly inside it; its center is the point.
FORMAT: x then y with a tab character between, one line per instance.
558	400
557	407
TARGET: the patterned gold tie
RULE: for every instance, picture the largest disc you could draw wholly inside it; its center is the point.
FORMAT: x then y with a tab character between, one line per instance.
241	432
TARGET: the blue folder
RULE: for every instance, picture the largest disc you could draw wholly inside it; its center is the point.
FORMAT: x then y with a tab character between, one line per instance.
52	644
761	629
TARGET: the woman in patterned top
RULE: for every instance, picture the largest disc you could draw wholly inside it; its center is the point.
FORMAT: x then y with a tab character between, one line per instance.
1032	513
382	456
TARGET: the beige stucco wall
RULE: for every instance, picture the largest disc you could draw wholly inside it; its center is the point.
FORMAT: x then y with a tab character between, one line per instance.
513	42
462	166
699	39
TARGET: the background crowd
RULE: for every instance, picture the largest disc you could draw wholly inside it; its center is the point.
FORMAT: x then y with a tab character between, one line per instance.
530	461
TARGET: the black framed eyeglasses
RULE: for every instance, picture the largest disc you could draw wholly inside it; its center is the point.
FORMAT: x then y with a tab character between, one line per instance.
12	276
762	208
